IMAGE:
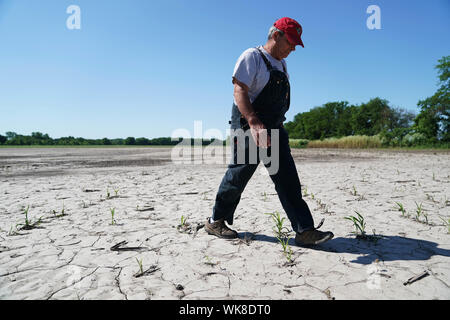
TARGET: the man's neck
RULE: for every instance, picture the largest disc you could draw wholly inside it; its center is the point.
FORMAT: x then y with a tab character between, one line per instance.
270	48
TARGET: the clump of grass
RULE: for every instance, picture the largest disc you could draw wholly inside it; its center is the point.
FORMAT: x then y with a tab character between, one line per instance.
25	212
401	208
113	212
419	211
279	229
62	214
360	228
350	142
183	223
141	271
184	226
359	224
298	143
282	234
28	225
305	191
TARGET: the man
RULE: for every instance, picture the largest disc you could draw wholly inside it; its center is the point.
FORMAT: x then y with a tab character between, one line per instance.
261	99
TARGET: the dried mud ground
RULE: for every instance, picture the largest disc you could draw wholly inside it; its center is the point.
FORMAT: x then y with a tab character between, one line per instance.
79	251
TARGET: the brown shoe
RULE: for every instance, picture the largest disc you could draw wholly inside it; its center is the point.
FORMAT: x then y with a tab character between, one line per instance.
220	229
313	237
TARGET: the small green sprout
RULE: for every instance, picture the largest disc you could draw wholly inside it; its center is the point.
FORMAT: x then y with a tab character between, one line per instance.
446	223
279	229
184	226
419	211
358	223
28	225
401	208
209	261
305	191
183	221
62	214
141	268
282	234
113	212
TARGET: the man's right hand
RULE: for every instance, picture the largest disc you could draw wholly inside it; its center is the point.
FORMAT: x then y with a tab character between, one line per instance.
257	128
259	132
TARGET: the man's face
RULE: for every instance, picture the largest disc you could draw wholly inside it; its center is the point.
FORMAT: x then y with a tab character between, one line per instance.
284	47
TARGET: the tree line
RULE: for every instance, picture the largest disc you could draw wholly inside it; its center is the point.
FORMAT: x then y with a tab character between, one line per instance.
394	126
40	139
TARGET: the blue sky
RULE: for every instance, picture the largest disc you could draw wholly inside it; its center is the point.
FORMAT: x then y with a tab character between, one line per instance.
145	68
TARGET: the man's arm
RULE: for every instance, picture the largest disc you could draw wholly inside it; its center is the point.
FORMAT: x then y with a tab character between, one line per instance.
244	105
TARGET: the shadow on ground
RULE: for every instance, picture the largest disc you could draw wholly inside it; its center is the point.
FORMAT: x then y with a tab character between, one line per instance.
386	248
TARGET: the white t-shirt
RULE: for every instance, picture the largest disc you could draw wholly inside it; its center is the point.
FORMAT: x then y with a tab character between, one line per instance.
251	70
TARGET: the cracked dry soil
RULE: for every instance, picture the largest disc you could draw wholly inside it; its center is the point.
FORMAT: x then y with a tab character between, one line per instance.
72	191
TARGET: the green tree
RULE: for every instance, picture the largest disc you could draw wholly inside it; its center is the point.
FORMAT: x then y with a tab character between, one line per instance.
333	119
106	142
372	117
401	118
142	141
10	135
296	128
433	120
130	141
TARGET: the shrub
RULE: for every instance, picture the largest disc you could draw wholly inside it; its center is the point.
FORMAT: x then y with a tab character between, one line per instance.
350	142
298	143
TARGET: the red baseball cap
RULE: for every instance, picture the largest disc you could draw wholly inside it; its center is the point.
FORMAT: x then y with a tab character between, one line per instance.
291	28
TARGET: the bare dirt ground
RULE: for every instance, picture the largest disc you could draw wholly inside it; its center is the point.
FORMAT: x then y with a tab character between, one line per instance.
79	250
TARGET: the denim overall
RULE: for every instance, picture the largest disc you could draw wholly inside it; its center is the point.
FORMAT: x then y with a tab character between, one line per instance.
270	106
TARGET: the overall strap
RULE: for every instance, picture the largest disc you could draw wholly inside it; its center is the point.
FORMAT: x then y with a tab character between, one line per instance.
267	62
284	67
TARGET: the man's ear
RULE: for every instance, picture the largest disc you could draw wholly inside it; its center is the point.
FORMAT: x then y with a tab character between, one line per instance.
276	36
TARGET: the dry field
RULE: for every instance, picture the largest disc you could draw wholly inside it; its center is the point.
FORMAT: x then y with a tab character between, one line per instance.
104	223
